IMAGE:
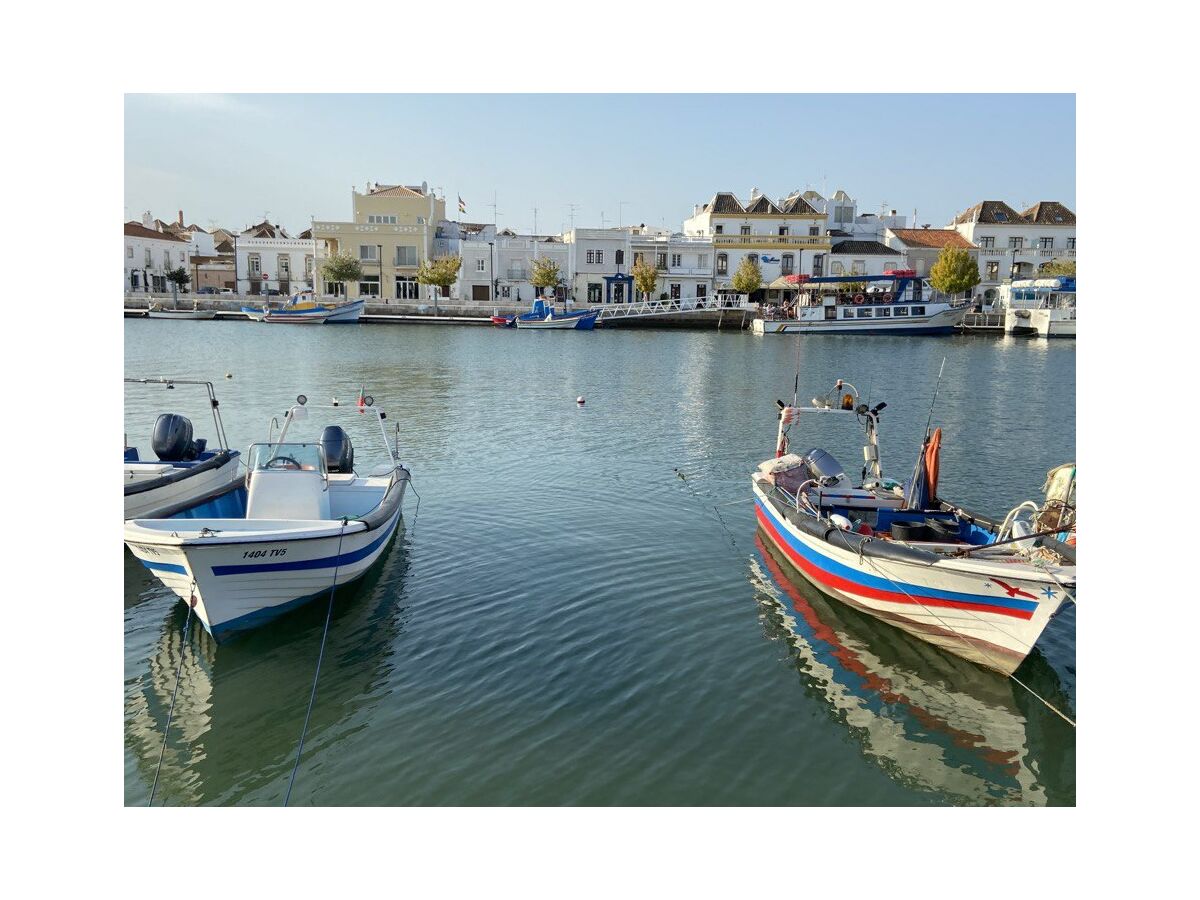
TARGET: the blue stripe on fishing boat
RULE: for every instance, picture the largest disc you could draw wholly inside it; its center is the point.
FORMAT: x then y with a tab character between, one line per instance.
327	562
164	567
885	584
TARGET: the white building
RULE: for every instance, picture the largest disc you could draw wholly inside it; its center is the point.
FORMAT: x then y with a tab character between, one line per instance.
784	238
843	220
684	262
497	266
268	259
1013	244
149	255
598	263
864	258
922	246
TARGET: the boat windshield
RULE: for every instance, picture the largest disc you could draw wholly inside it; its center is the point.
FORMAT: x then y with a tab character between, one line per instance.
286	457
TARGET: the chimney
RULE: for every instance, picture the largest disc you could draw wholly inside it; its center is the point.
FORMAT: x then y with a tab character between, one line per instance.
893	212
181	218
755	193
148	220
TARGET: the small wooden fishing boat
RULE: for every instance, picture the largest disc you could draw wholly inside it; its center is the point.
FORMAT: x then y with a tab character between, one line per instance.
981	589
582	321
186	474
303	305
158	311
311	522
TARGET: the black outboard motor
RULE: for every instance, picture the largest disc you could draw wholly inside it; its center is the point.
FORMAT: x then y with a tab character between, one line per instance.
339	452
172	439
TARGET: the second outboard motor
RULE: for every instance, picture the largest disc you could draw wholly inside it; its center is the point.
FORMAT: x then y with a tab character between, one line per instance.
172	439
339	452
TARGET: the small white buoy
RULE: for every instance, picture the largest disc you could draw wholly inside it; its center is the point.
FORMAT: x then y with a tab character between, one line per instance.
579	400
228	374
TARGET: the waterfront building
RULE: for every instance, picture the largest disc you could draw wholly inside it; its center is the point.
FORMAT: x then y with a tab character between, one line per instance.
391	232
684	262
497	265
843	219
922	246
855	257
268	259
784	238
150	254
599	261
1016	245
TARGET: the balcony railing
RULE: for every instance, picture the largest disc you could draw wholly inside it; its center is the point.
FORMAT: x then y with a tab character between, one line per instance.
770	240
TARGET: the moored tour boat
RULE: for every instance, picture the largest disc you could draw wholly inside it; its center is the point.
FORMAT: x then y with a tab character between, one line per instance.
311	522
1039	307
977	588
891	303
186	473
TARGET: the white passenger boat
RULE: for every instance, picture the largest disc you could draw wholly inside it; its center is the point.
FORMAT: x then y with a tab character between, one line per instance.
311	522
892	303
1039	307
980	589
185	473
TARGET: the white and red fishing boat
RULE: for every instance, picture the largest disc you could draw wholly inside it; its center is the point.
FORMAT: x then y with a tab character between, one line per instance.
981	589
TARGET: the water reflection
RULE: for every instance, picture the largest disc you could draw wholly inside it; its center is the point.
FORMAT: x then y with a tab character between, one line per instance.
241	705
934	722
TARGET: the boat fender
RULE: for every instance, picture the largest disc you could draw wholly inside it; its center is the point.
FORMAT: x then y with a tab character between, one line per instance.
841	522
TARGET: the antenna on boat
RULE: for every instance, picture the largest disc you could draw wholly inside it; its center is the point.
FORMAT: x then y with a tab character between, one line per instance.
933	402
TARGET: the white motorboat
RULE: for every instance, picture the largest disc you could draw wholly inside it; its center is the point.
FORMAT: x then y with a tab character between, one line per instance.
311	523
980	589
892	303
186	474
302	307
1039	307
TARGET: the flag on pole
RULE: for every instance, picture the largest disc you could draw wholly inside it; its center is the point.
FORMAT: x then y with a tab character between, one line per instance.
462	207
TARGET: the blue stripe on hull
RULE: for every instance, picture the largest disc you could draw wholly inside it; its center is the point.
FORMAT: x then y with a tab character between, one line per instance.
164	567
884	584
327	562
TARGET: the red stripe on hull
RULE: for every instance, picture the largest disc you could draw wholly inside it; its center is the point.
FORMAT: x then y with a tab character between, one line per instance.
837	583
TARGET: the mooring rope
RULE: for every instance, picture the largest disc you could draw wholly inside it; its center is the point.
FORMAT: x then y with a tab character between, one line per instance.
945	624
317	674
720	519
174	693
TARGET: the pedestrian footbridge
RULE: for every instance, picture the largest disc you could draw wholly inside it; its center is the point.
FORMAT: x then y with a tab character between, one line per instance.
657	308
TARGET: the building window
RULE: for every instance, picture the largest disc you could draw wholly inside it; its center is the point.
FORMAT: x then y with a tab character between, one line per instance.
595	292
818	266
480	265
783	230
506	292
368	286
787	264
381	220
1015	243
368	252
753	257
703	260
676	259
335	288
620	257
858	267
406	256
701	291
719	229
284	265
1001	217
675	293
836	268
599	257
254	262
722	264
166	259
407	288
987	242
182	258
814	231
660	260
308	268
128	252
1046	243
993	271
148	261
1070	243
745	229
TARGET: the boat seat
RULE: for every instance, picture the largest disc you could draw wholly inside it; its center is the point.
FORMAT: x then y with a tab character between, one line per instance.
287	495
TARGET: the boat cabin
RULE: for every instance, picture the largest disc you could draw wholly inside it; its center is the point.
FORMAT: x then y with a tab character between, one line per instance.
1038	293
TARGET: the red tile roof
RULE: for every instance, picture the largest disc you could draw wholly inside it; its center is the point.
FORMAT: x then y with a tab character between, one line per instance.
932	237
394	190
135	229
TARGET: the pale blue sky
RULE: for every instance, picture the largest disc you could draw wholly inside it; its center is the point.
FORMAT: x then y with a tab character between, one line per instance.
226	159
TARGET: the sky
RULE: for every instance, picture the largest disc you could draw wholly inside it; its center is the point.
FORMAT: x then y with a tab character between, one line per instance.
618	158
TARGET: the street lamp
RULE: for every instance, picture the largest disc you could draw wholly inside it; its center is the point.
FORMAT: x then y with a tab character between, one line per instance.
379	252
492	270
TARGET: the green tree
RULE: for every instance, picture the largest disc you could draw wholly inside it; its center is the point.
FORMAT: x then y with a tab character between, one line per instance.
179	279
748	277
645	277
340	267
1065	267
954	271
439	272
545	274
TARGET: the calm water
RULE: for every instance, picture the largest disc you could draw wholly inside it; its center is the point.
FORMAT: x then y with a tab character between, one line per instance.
565	620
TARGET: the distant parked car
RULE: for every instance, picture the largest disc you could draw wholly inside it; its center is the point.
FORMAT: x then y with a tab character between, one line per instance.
207	289
273	292
227	292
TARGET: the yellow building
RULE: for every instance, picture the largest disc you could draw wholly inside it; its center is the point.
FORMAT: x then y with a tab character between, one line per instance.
391	234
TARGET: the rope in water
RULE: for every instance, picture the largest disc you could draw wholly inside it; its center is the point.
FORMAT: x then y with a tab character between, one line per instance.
721	519
1050	706
317	674
174	693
